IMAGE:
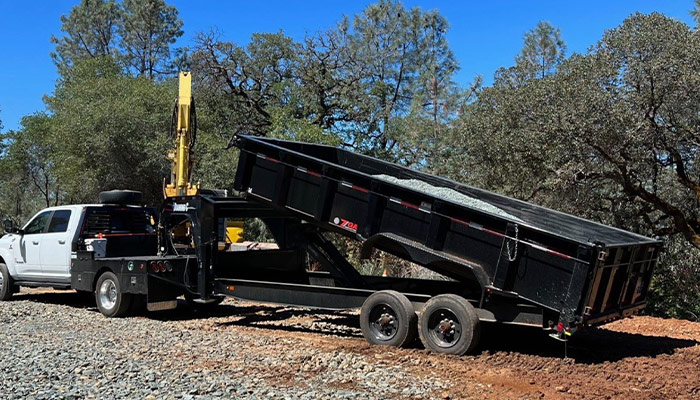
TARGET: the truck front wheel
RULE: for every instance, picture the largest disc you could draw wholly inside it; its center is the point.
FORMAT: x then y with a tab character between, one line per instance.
449	324
387	318
110	300
7	286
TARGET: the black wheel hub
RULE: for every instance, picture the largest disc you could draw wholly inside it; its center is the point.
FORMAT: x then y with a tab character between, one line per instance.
445	328
383	322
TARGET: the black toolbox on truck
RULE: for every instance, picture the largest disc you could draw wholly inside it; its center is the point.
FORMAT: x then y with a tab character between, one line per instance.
584	272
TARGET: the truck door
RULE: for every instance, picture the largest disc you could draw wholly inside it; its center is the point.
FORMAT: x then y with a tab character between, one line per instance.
56	247
27	252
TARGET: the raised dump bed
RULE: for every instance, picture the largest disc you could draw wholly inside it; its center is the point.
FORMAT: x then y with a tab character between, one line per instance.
580	270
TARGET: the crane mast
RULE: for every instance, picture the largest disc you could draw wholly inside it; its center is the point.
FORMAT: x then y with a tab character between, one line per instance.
185	124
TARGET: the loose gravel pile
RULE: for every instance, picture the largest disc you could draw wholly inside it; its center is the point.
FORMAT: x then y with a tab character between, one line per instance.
447	194
54	351
55	345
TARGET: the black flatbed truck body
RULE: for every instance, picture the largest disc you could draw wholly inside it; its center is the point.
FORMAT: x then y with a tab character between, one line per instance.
576	271
161	278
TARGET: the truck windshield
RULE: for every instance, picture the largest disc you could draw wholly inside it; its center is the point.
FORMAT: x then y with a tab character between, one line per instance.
119	220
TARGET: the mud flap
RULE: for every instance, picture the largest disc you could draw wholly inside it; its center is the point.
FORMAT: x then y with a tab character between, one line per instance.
162	305
162	295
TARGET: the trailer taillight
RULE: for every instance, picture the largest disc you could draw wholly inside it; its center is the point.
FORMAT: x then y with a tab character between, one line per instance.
560	326
154	266
161	266
168	266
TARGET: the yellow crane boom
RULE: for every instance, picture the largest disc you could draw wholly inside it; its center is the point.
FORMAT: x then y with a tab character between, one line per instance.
185	131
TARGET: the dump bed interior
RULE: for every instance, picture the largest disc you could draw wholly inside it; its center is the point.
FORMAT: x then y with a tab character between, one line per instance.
541	218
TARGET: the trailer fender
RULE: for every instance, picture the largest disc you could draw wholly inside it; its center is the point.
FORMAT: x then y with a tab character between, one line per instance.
436	260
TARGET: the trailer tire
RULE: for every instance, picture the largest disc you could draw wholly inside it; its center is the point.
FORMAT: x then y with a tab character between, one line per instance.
449	324
109	298
7	285
387	318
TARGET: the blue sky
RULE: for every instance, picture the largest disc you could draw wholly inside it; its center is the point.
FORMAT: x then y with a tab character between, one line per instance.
484	35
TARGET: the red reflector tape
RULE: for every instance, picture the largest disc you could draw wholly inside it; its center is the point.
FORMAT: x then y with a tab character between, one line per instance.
560	326
264	157
501	235
459	221
550	251
489	231
409	205
306	171
360	189
354	187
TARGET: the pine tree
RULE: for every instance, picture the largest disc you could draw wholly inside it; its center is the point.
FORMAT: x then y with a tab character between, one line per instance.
543	51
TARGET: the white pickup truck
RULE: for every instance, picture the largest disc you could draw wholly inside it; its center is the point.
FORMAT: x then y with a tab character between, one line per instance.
44	251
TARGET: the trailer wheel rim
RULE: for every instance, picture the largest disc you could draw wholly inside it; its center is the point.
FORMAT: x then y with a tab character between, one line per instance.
108	294
2	281
444	328
383	322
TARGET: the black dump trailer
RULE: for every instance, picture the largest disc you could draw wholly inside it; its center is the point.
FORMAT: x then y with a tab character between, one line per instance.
507	260
501	260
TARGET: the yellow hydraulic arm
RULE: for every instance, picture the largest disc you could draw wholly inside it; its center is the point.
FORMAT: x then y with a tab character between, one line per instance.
185	134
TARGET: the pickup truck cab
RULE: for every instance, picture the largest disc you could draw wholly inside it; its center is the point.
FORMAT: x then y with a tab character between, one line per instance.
43	252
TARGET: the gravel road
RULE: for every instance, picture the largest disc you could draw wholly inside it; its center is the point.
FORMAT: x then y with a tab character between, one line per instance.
56	345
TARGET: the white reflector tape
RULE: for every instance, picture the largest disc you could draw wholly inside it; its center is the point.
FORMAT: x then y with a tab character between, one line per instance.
162	305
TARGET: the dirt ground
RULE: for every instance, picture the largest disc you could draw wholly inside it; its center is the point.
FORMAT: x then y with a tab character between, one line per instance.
636	358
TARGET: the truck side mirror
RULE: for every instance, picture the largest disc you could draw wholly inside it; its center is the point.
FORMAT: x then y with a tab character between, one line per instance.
9	225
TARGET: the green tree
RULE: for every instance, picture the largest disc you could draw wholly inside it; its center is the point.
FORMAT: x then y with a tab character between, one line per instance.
437	98
88	31
695	13
618	122
359	81
26	169
244	85
612	136
110	131
543	50
147	29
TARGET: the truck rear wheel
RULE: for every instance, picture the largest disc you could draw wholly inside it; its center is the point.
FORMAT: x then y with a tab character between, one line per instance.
7	285
449	324
387	318
110	300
